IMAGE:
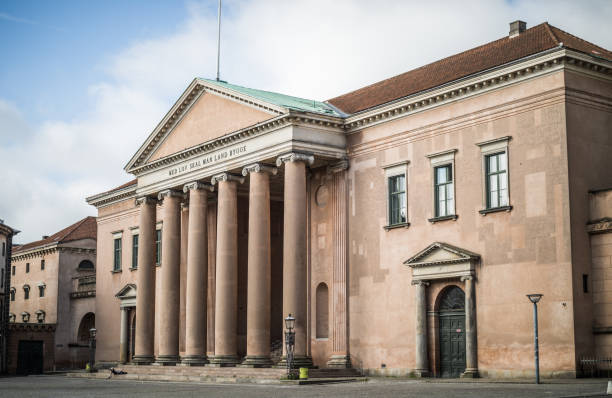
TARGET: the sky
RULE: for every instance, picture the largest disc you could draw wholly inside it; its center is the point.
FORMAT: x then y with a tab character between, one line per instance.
83	83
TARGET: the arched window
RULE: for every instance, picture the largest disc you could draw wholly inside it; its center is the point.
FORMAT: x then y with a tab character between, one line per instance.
86	265
13	294
26	292
40	316
453	299
12	317
87	322
25	317
322	298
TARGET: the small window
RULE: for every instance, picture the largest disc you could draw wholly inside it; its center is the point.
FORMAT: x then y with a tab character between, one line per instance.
158	246
117	259
27	268
13	270
444	190
25	317
13	294
12	317
3	248
497	180
585	283
86	265
40	316
135	251
26	292
41	291
42	264
2	278
397	199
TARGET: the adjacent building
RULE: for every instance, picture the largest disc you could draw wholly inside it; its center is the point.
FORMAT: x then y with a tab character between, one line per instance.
52	300
401	224
6	243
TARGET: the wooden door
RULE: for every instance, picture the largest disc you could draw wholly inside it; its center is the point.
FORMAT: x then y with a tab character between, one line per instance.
452	344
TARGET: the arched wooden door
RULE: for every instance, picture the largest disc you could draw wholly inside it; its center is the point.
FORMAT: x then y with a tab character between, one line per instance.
452	332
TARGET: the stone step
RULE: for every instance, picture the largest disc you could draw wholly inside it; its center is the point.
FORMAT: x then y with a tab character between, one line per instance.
333	373
202	371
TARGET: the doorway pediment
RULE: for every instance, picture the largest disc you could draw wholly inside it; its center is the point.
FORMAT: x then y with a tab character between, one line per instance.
127	295
440	261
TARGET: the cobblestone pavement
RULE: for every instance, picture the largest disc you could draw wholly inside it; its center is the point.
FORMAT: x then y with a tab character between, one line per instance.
63	387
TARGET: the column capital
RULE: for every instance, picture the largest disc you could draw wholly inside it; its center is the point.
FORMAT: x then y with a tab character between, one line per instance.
258	168
197	185
294	157
467	278
338	166
226	177
167	193
145	200
420	283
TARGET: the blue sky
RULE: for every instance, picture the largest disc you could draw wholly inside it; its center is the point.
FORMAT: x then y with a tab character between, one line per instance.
83	83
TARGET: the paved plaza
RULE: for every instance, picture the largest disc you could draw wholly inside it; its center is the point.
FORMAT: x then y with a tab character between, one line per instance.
63	387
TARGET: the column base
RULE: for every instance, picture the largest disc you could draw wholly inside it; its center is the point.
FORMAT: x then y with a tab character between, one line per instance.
299	361
221	361
194	360
339	362
421	373
256	361
166	360
143	359
470	373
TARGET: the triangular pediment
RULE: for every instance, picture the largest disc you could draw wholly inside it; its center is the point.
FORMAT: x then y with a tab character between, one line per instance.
127	292
441	253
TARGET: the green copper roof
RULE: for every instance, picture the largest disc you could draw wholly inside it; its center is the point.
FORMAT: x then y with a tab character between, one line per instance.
286	101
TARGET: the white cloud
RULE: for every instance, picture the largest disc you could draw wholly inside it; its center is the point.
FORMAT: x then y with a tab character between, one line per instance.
314	49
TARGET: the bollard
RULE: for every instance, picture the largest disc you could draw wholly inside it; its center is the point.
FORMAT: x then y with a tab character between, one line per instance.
609	392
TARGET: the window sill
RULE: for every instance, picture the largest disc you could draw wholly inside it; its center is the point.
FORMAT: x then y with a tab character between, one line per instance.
394	226
158	265
443	218
116	271
484	212
133	268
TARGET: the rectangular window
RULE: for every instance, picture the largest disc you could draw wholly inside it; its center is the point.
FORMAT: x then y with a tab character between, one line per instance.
3	248
117	258
134	251
158	247
13	270
41	291
444	191
42	264
2	278
585	283
497	180
27	267
26	294
397	199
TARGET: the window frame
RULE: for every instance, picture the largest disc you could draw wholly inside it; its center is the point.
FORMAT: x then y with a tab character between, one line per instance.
117	251
42	264
12	293
392	171
26	292
489	148
437	160
135	242
158	245
41	291
27	268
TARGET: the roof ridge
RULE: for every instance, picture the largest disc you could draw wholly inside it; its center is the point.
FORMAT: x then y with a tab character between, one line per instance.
265	91
578	38
551	33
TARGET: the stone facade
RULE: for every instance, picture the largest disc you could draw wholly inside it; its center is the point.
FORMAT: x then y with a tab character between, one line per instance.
6	245
290	207
58	274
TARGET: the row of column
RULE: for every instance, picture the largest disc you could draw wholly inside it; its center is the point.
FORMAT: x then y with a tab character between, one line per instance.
421	357
226	283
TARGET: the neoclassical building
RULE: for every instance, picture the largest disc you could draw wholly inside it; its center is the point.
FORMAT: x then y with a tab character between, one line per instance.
52	300
402	224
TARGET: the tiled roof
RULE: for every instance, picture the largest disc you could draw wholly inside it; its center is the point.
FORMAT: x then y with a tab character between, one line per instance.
286	101
127	184
83	229
532	41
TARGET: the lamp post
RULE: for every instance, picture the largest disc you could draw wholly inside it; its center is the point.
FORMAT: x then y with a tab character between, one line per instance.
92	349
535	298
289	342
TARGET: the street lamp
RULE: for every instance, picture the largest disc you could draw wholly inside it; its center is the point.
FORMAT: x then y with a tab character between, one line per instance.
535	298
92	349
289	342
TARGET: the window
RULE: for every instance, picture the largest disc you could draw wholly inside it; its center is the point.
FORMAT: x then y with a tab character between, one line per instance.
41	290
444	191
2	278
25	317
42	264
40	316
3	248
134	251
497	180
12	294
13	270
397	199
12	317
27	267
117	258
158	247
322	308
86	265
585	283
26	292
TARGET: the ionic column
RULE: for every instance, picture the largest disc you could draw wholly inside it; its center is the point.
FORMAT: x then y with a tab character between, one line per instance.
421	360
259	266
295	276
145	298
471	355
226	286
123	338
170	307
340	357
197	274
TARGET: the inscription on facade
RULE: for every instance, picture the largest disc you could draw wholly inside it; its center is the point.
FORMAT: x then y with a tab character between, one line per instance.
206	160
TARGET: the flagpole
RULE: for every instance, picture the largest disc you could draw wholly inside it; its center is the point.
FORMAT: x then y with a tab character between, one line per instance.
218	38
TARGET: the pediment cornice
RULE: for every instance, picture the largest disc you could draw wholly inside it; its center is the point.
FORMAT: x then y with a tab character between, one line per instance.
127	291
459	256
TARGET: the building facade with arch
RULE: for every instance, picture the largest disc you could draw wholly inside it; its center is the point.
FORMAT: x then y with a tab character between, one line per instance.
402	224
52	300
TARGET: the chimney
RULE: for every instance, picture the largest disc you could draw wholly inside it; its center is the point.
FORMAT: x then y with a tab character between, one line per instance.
517	27
45	236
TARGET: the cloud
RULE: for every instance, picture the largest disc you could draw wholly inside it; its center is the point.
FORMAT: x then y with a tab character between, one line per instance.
12	18
313	49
